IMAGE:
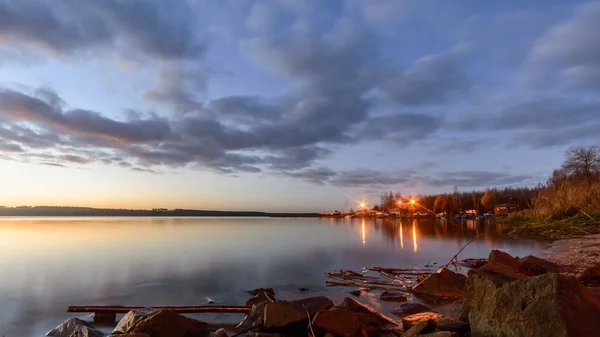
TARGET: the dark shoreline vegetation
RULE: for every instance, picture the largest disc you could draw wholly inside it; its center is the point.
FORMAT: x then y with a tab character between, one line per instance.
89	211
568	204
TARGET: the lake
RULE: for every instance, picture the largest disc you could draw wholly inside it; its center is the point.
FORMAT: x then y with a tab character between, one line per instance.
48	264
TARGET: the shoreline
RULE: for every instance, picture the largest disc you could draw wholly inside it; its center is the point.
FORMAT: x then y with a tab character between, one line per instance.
578	252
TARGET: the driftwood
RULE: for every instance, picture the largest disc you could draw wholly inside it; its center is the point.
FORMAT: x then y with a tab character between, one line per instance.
378	285
180	309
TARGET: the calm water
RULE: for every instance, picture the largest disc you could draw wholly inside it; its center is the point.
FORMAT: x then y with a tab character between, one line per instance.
47	264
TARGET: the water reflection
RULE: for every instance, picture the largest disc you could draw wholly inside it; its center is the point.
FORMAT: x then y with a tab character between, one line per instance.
56	262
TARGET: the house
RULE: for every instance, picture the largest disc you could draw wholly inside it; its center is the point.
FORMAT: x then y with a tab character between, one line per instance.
505	209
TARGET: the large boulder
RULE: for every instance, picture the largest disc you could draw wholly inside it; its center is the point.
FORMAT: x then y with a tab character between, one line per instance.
444	283
407	309
374	316
342	322
74	327
543	305
160	323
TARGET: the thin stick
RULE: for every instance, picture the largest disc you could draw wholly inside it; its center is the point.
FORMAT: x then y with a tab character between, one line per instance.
309	322
463	247
246	330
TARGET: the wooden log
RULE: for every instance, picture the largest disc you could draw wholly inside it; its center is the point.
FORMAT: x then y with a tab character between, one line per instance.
180	309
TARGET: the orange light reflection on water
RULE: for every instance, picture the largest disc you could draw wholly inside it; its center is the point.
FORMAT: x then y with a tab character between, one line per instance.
401	238
364	233
414	233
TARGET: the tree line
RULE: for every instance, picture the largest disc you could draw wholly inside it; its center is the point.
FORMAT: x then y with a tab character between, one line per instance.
572	188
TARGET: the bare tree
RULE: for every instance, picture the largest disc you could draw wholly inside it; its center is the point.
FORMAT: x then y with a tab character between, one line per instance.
582	162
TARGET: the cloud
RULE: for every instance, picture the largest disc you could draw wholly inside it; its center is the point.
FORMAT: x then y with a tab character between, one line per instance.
67	28
573	47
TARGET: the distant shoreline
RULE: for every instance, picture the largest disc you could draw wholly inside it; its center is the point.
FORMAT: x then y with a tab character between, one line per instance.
66	211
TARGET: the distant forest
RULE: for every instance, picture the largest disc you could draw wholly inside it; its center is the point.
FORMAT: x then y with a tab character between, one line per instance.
88	211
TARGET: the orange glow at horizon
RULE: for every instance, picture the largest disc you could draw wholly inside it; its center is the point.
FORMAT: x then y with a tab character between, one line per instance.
414	233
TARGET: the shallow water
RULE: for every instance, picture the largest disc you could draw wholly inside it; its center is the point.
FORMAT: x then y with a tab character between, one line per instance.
47	264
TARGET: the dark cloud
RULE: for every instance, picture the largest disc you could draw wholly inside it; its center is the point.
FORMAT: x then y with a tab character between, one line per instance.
431	79
67	27
477	179
401	128
573	48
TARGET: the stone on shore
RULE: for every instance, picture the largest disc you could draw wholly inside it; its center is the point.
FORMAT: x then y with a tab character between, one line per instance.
342	322
422	327
441	334
374	316
393	297
259	298
257	291
543	305
135	334
262	334
283	315
473	263
539	266
407	309
160	323
591	276
444	283
440	322
313	304
254	318
74	327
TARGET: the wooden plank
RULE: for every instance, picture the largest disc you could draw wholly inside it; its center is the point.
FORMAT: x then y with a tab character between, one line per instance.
179	309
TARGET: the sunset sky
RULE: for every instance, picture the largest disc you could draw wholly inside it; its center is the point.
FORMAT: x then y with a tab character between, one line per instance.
288	105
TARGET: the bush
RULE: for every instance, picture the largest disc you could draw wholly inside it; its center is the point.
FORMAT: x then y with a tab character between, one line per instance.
566	199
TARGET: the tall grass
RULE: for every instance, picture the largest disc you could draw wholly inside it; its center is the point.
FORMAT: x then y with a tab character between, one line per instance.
567	198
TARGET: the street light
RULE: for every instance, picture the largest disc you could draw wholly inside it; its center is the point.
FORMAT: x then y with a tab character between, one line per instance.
412	201
362	205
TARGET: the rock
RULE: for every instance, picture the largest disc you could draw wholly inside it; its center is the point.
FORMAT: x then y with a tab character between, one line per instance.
131	335
355	293
254	318
473	263
543	305
256	291
160	323
374	316
497	256
393	297
262	334
441	322
313	304
259	298
302	289
441	334
500	273
591	276
219	333
104	318
342	322
444	283
421	327
407	309
283	315
74	327
539	266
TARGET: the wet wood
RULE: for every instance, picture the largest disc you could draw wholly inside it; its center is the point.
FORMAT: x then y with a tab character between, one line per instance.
180	309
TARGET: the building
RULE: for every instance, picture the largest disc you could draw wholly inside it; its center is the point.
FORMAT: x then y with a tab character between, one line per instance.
505	209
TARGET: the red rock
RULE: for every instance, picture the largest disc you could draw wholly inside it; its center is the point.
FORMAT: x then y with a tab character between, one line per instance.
342	322
257	291
282	315
374	316
393	297
441	322
497	256
591	276
160	323
539	266
259	298
444	283
313	304
407	309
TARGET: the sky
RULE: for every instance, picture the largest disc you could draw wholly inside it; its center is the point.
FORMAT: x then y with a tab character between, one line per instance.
288	105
